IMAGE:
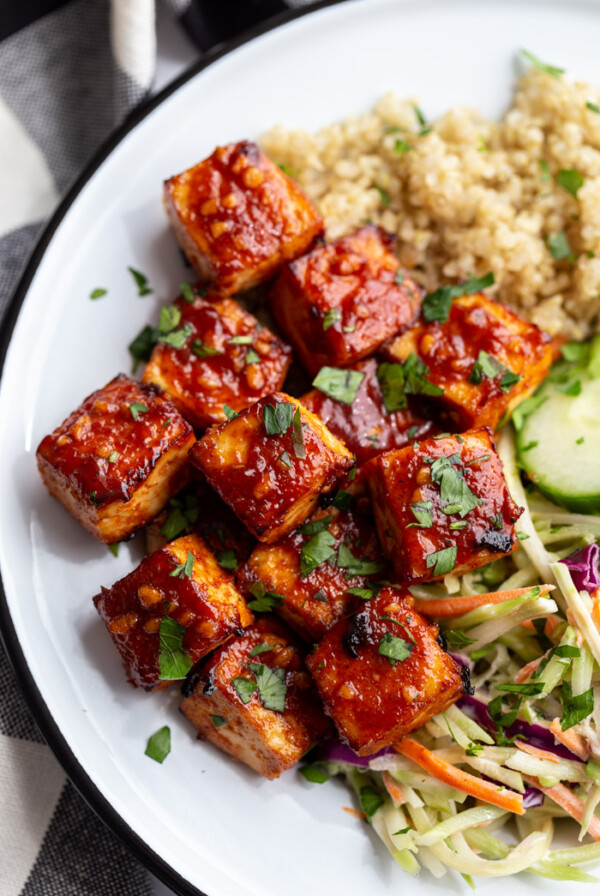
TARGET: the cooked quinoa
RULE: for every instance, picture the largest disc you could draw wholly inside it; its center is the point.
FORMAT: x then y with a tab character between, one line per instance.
466	196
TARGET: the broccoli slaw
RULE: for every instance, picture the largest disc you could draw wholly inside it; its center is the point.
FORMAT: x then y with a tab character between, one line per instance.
479	789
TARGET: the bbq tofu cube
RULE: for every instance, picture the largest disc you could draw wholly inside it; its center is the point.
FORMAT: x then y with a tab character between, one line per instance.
238	217
171	611
442	506
321	571
381	672
338	304
215	354
115	461
199	509
271	463
483	360
254	699
364	425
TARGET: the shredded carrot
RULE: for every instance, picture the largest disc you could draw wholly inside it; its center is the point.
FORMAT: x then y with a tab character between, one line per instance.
525	673
535	751
394	790
569	802
356	813
596	611
445	608
455	777
551	623
571	740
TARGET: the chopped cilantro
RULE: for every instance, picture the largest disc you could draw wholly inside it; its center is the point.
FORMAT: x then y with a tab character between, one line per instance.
298	436
436	305
560	247
391	382
543	66
187	291
170	318
271	685
421	510
342	500
365	592
575	708
314	774
114	549
252	357
261	648
593	107
285	459
544	171
244	688
319	549
174	661
227	559
383	195
142	346
159	744
218	721
333	316
137	408
229	412
141	281
395	649
240	340
570	180
370	800
315	527
401	146
202	350
525	689
263	601
457	639
341	385
355	567
278	417
98	293
442	561
184	570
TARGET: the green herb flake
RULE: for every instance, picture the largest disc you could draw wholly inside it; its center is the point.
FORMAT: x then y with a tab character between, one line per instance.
175	524
244	688
593	107
240	340
529	446
98	293
442	561
261	648
229	412
580	440
399	277
391	382
525	689
522	536
575	708
272	688
370	800
422	512
394	648
278	417
263	601
343	500
474	749
227	559
201	350
170	318
142	346
401	146
570	180
334	315
573	388
320	597
436	305
114	549
341	385
456	495
415	378
543	66
525	408
560	247
366	592
159	744
545	175
174	662
319	549
314	774
315	527
184	570
218	721
285	459
252	357
141	281
458	640
383	195
355	567
187	291
137	408
298	436
112	457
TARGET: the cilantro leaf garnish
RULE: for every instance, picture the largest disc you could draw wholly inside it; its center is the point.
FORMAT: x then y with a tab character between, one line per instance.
421	511
391	382
355	567
141	281
263	601
395	649
488	367
159	744
184	570
543	66
261	648
98	293
137	408
244	688
218	721
436	305
227	559
457	639
343	500
341	385
298	436
370	800
560	247
170	317
272	688
315	526
229	412
366	592
278	417
319	549
575	708
570	180
173	660
525	689
252	357
442	561
454	491
202	350
187	291
142	346
240	340
333	316
177	338
314	774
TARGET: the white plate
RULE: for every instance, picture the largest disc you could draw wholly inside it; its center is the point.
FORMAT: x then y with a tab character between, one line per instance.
200	820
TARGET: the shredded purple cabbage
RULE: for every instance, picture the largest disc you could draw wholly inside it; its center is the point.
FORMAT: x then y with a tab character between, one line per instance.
532	798
584	566
336	751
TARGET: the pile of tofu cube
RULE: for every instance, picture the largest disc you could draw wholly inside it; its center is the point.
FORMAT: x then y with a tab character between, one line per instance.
284	532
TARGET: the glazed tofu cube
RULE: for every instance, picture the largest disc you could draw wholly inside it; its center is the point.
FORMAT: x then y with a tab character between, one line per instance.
340	302
442	506
116	460
226	358
199	509
254	699
321	571
271	463
167	614
381	672
238	217
484	360
365	426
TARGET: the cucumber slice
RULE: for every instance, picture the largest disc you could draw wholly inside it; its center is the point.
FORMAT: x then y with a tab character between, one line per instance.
558	443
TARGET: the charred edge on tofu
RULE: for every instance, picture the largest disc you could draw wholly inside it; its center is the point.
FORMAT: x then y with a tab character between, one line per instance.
189	684
494	541
357	635
465	675
442	642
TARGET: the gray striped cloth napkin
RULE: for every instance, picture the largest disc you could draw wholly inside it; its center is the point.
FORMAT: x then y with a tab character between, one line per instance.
70	72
